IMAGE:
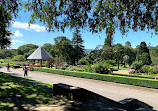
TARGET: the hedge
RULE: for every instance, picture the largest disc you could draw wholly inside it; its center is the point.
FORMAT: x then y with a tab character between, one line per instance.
143	82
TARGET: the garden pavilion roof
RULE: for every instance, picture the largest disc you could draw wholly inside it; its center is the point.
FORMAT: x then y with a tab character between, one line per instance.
40	53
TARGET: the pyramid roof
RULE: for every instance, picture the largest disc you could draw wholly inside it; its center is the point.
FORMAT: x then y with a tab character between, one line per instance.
40	53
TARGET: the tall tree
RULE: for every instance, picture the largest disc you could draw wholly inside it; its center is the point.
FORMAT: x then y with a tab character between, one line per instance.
77	43
8	10
143	53
26	48
47	46
119	51
64	48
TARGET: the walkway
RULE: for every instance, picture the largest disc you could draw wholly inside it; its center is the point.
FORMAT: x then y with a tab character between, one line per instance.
113	91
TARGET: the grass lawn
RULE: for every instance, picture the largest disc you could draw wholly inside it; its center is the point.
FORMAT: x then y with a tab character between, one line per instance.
20	96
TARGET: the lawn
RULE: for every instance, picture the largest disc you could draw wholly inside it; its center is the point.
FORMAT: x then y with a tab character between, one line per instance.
18	95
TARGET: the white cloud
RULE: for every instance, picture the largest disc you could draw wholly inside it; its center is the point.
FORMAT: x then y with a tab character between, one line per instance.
16	41
26	26
17	33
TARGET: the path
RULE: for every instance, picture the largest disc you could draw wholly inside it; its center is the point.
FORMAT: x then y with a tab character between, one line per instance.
113	91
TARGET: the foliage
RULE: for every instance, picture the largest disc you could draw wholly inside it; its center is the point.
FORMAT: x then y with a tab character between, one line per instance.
111	62
27	54
154	55
47	46
97	15
8	10
78	47
26	48
147	69
155	70
118	52
143	54
145	58
18	58
75	69
58	62
52	52
108	41
107	53
144	82
102	68
137	65
64	48
4	53
130	54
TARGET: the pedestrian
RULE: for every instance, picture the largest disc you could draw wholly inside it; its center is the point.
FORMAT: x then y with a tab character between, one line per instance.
130	71
25	71
8	67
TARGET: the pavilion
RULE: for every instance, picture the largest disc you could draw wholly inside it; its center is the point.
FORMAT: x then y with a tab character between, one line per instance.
40	54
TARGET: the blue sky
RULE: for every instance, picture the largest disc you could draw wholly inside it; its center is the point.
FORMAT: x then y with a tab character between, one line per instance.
37	34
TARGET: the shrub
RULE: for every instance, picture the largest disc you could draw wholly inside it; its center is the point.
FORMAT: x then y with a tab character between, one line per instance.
155	69
147	69
144	82
137	65
87	68
19	58
111	62
102	68
75	69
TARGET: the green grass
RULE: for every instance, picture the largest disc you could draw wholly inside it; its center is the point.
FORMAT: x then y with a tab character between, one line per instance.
137	81
18	93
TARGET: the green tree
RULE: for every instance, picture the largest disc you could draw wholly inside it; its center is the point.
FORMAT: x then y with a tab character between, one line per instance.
64	48
4	53
154	55
19	58
78	47
26	48
47	46
52	52
8	10
143	54
118	51
131	53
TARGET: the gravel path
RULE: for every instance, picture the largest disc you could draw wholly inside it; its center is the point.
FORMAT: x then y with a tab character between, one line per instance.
113	91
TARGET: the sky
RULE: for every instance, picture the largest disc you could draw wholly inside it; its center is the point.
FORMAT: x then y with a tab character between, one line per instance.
36	34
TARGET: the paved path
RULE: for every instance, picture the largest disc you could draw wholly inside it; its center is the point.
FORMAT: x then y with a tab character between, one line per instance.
113	91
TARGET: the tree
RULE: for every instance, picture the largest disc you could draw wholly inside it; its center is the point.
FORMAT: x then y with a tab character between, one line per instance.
108	41
154	55
143	54
47	46
98	15
19	58
4	53
78	47
64	48
8	10
26	48
119	51
52	52
131	53
128	44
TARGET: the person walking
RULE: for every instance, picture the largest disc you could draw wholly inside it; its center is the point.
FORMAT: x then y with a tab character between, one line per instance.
8	67
25	71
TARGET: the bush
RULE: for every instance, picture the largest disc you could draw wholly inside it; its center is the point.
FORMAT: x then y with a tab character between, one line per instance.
102	68
19	58
155	69
147	69
88	68
144	82
75	69
111	62
137	65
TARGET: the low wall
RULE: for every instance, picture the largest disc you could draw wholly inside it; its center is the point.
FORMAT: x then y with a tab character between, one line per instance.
81	94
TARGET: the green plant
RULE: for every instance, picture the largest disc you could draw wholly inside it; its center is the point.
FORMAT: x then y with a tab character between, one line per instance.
102	68
147	69
19	58
137	65
111	62
144	82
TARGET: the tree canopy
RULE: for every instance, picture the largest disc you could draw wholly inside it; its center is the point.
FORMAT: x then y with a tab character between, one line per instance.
97	15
